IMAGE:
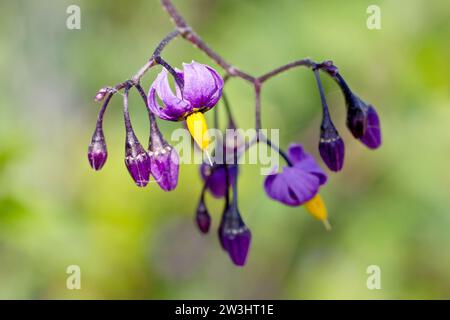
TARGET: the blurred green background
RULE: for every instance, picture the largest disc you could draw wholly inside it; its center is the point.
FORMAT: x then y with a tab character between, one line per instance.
388	207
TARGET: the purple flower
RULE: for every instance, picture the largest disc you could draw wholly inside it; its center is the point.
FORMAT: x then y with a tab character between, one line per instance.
298	182
234	235
202	217
331	146
372	136
137	160
201	91
97	152
216	179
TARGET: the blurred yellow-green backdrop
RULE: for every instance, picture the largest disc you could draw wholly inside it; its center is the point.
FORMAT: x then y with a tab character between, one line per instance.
388	207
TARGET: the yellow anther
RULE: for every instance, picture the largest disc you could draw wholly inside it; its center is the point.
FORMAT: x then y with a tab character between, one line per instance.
316	207
198	128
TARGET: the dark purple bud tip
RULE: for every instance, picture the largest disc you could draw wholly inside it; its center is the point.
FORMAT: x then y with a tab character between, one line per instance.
331	148
202	218
235	237
97	152
372	136
137	161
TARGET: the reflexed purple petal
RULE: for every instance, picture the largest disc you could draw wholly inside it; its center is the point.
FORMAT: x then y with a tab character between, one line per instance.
201	91
215	97
201	85
293	186
306	162
174	107
217	179
372	137
332	153
164	166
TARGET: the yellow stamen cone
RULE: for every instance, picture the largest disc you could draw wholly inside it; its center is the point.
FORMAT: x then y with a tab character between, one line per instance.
198	128
316	207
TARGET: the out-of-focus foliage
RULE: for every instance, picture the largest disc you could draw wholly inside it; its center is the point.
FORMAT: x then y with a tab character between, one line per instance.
388	207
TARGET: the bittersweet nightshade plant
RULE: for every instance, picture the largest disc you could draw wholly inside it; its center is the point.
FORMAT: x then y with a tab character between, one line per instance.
198	89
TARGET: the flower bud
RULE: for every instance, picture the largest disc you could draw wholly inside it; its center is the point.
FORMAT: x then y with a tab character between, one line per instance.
356	116
331	146
97	152
100	95
137	160
164	166
372	136
164	159
202	218
234	236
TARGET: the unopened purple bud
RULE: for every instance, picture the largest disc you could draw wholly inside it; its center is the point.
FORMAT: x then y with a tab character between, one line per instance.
164	166
372	136
100	95
356	116
331	147
234	236
97	151
202	218
137	160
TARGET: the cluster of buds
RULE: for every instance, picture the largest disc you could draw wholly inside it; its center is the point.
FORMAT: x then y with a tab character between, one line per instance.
362	121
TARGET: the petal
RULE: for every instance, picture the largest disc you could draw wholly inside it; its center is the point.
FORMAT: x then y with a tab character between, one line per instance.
174	107
296	152
200	85
292	186
306	162
217	92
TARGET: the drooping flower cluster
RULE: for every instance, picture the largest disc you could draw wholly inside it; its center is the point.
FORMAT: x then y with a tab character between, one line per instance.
198	88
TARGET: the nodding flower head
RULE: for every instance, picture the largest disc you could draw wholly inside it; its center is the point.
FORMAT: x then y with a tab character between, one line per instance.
202	217
201	90
331	146
137	160
97	152
234	235
164	160
215	178
298	182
